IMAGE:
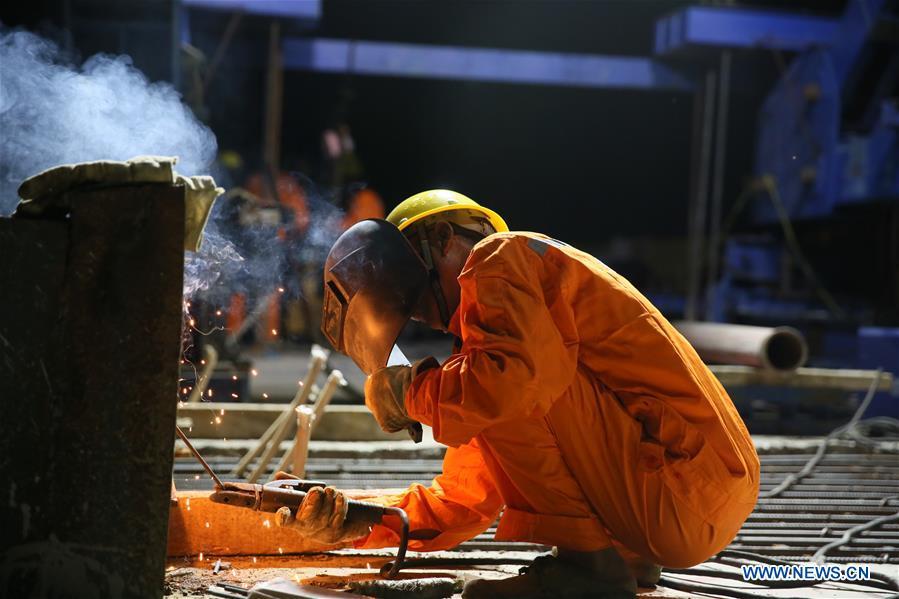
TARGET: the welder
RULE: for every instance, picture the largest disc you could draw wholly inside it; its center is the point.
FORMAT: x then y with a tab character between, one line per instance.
569	405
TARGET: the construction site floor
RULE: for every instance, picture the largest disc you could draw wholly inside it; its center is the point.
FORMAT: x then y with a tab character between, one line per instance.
850	486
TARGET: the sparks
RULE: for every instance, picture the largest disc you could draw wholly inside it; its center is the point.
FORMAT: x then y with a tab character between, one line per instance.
196	477
209	393
218	420
192	322
218	312
254	372
266	524
222	412
265	396
234	395
188	504
280	290
275	332
207	525
201	556
254	559
280	550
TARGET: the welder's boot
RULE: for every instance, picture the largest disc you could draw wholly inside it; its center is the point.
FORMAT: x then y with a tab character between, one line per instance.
645	572
551	577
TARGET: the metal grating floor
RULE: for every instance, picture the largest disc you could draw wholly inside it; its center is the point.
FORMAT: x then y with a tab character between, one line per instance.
845	490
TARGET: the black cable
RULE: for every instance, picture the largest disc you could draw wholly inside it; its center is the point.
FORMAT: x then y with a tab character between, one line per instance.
809	466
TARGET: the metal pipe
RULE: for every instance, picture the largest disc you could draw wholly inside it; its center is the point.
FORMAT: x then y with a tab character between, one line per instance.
778	348
316	411
319	358
211	356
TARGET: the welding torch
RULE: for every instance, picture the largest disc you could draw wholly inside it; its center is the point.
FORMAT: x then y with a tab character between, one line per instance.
290	493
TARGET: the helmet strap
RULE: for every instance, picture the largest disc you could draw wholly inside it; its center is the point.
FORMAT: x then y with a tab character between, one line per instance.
436	287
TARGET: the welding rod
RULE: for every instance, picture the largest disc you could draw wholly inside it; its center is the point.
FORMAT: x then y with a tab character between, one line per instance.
197	455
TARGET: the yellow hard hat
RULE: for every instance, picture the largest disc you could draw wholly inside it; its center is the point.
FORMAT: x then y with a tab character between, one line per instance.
435	201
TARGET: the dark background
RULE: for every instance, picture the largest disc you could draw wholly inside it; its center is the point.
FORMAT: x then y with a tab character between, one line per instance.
584	165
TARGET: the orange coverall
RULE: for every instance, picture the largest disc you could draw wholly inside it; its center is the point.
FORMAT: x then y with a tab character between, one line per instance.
578	410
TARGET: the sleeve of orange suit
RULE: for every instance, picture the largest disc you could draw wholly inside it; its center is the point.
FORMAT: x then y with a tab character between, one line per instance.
513	361
460	504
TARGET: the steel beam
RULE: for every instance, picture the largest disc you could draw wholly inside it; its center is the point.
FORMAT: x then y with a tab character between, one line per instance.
480	64
297	9
701	26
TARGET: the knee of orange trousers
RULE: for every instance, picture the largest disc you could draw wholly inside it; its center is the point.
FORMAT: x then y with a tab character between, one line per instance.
681	542
529	471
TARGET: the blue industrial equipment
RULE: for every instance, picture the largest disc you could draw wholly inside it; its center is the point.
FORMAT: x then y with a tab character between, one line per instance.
480	64
699	27
818	165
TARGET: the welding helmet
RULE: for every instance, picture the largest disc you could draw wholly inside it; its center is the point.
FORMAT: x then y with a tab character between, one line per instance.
373	282
435	201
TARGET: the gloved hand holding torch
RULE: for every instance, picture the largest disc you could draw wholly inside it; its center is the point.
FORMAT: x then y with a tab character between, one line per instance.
322	516
385	394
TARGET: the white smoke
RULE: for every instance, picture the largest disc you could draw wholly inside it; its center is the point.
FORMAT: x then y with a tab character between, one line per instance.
54	112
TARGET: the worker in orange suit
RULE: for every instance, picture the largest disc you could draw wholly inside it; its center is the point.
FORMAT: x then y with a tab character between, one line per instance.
572	408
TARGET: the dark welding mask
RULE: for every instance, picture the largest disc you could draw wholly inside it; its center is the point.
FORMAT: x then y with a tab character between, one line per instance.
373	282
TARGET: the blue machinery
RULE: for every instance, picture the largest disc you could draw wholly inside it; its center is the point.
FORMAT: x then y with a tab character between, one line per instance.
827	150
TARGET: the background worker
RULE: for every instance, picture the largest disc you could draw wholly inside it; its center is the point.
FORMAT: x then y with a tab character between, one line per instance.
569	403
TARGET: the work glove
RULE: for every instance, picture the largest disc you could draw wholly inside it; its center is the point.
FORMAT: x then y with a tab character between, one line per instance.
321	517
385	395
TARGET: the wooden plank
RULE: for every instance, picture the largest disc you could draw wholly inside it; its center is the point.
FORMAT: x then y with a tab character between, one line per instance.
802	378
197	525
250	421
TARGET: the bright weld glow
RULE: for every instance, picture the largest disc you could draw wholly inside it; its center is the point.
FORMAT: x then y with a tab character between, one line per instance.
234	395
222	412
188	504
280	290
207	525
218	312
218	420
266	524
202	361
180	404
265	395
209	393
233	377
280	550
196	477
201	556
254	559
274	331
190	429
254	372
192	322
